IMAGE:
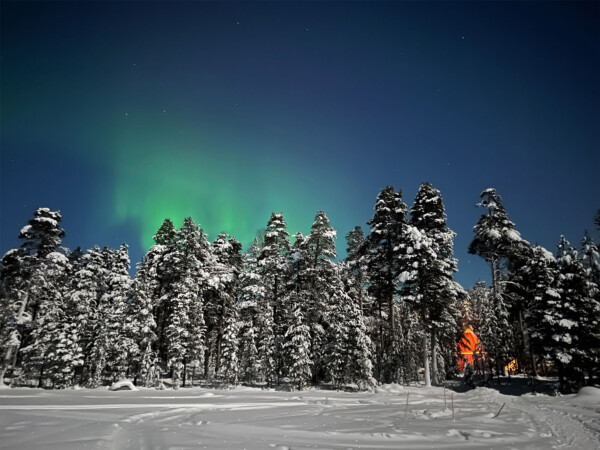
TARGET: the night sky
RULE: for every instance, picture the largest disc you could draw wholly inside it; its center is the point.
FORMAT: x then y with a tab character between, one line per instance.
122	114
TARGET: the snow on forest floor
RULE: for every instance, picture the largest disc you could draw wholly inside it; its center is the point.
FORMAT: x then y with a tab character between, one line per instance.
261	419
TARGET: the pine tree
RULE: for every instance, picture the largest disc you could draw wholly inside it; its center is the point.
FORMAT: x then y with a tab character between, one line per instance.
141	324
540	280
383	260
33	287
589	257
14	316
226	290
229	364
564	319
437	293
272	261
298	348
251	296
348	354
53	351
108	347
320	287
122	348
355	240
184	319
496	241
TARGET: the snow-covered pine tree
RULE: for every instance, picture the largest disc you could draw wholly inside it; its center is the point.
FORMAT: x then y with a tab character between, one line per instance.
297	346
35	270
166	260
382	259
225	290
320	287
355	249
106	354
497	241
54	348
166	234
141	324
417	282
564	318
440	293
272	262
265	338
185	326
297	277
590	258
122	348
251	295
229	362
540	279
13	304
348	352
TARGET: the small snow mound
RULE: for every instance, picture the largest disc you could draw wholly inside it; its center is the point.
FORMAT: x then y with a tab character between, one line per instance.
123	385
589	393
392	388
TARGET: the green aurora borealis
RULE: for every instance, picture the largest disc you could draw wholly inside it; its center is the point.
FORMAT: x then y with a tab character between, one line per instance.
226	186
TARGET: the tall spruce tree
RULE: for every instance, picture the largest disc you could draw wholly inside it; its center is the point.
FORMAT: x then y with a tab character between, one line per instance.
32	287
497	242
297	346
384	264
272	262
439	292
320	282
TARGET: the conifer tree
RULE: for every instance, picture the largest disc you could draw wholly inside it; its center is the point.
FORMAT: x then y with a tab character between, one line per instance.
190	271
32	289
496	241
437	291
108	346
540	280
590	259
53	348
251	296
384	263
272	262
348	354
320	287
141	324
298	348
229	364
122	348
355	260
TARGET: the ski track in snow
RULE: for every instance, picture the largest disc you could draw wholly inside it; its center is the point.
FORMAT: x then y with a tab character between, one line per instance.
257	419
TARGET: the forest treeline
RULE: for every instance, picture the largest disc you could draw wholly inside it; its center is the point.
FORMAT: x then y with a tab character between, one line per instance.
286	313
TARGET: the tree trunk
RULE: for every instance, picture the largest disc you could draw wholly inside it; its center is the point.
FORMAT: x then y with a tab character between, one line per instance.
426	361
434	368
391	313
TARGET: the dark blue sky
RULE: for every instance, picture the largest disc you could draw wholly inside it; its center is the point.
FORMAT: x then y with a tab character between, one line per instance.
121	114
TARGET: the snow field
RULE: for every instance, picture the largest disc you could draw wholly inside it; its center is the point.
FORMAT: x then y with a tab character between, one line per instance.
246	418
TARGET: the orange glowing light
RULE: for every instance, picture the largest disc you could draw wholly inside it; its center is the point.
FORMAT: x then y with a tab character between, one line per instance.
511	367
469	346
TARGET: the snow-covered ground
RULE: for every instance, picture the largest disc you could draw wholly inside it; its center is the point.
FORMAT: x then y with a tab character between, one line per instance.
262	419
